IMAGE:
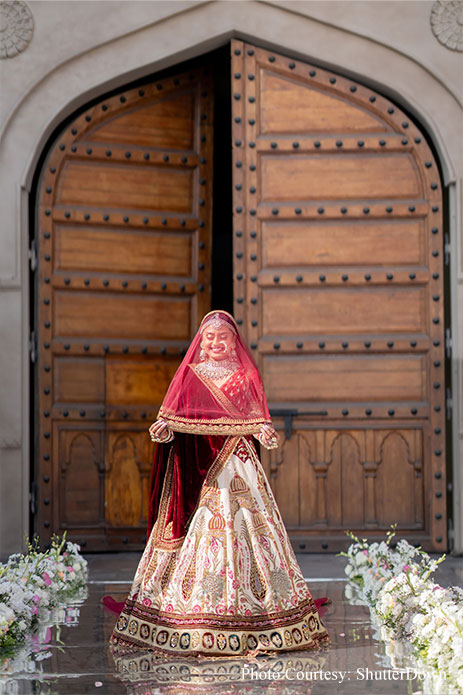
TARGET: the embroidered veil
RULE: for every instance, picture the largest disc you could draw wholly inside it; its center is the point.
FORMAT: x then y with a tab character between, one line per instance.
195	405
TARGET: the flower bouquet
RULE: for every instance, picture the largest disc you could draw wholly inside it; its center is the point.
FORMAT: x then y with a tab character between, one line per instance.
420	621
36	586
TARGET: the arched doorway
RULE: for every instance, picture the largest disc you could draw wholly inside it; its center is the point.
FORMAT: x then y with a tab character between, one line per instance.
337	284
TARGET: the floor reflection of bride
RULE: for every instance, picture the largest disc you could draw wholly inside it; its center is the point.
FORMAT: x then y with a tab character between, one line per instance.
145	674
218	575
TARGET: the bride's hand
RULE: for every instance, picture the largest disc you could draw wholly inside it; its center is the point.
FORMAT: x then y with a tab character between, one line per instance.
268	437
159	432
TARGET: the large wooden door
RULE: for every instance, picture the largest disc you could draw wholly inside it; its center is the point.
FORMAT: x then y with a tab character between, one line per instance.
124	244
338	263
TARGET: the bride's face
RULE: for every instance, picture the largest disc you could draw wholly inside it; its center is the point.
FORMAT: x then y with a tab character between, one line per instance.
218	343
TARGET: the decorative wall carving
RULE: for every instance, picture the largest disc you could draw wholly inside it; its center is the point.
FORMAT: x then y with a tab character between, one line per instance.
16	27
447	23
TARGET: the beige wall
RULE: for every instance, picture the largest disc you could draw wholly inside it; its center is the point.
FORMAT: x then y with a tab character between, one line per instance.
81	49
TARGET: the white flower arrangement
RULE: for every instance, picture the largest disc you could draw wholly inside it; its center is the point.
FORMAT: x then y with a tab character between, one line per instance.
35	590
419	620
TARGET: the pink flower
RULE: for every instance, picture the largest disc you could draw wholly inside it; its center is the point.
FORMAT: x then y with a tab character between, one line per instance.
36	599
196	609
406	568
248	612
46	579
365	552
70	569
147	602
35	610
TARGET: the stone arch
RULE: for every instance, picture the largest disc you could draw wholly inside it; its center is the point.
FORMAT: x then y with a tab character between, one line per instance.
121	66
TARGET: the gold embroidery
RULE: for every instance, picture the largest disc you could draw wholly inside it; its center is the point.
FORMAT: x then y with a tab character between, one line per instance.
167	574
221	460
162	533
215	426
257	579
189	578
237	485
258	520
216	523
258	583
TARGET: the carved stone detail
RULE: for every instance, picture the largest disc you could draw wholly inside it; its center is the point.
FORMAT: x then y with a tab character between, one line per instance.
16	27
447	23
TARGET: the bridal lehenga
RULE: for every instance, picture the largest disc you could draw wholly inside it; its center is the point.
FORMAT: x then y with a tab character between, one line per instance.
218	576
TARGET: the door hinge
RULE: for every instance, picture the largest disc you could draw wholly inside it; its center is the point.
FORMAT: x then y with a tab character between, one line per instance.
33	347
446	249
449	403
448	343
33	495
33	255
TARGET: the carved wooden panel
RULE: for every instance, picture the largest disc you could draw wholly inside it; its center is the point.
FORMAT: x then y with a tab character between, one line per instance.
78	487
338	245
350	478
124	248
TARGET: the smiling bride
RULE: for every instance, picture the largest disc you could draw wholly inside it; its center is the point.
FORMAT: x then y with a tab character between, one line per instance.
218	575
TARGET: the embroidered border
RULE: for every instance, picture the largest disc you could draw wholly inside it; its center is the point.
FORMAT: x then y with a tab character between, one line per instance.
220	426
184	637
159	535
229	426
229	622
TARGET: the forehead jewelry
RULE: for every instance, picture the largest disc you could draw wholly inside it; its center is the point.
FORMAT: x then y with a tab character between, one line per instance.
216	322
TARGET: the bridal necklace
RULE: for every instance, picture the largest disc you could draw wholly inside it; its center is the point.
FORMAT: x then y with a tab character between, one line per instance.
217	370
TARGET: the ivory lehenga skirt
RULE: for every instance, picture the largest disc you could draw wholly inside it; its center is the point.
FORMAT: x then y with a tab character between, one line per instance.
232	585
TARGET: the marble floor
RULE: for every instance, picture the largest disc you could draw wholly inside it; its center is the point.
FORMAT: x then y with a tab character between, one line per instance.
73	657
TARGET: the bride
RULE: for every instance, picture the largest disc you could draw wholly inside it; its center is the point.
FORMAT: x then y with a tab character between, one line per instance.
218	575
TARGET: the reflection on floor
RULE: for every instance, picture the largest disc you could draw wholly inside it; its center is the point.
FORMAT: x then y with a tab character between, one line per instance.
78	659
